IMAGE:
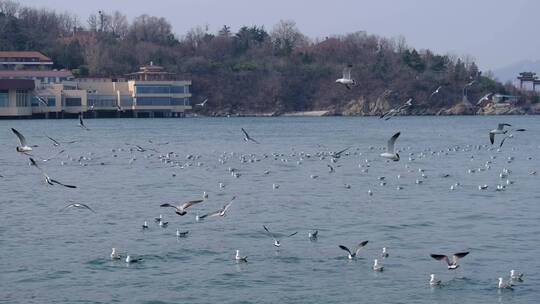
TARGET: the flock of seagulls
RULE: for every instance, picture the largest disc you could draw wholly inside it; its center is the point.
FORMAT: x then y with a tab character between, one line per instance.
181	209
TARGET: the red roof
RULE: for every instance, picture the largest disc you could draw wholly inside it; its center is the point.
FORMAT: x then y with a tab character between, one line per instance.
24	54
34	73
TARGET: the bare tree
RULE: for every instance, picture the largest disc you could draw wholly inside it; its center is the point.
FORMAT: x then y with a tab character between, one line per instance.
9	8
286	36
119	25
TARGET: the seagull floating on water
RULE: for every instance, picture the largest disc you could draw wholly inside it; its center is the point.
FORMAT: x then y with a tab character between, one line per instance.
240	258
433	281
514	275
129	259
313	235
377	266
352	255
453	263
504	285
181	234
384	253
115	255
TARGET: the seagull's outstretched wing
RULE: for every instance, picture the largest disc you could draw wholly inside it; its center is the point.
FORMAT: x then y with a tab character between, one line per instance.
247	137
21	138
502	141
362	244
56	143
392	141
502	125
61	184
270	233
211	214
347	72
292	234
168	205
458	256
190	203
81	123
345	248
440	257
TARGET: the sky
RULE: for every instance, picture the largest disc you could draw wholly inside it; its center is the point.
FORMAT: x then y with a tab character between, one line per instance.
496	33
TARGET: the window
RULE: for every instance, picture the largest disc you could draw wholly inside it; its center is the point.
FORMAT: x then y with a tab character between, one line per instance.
180	101
22	98
39	101
126	101
179	89
102	101
153	101
73	102
148	89
4	98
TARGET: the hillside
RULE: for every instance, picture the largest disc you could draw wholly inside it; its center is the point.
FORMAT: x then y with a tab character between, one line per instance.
252	70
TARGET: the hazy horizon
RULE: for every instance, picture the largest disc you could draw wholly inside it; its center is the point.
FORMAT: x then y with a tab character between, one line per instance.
495	33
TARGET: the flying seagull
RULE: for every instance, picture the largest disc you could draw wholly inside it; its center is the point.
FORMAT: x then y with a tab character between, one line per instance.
180	209
390	152
352	255
453	263
313	235
53	157
23	146
80	206
49	180
338	154
57	143
202	103
220	212
485	97
276	241
394	111
346	79
499	130
247	137
81	123
435	92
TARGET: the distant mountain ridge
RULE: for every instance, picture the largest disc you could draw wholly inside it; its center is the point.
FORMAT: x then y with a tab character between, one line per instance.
510	72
